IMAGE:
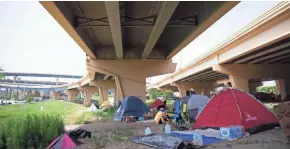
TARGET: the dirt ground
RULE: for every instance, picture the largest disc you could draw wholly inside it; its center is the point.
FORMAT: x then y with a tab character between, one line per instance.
115	135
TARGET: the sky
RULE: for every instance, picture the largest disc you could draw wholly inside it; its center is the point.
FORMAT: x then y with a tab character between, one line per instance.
32	41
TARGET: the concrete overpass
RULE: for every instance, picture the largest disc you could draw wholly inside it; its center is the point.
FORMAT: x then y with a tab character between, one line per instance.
32	82
23	74
126	42
260	51
23	87
34	88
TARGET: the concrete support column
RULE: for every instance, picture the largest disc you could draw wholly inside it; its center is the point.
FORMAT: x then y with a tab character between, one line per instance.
72	94
115	97
277	82
182	88
10	94
182	91
17	93
37	94
283	87
103	93
55	95
29	92
88	92
200	88
253	86
130	75
239	82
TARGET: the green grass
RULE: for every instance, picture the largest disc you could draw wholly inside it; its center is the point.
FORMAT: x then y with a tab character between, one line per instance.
70	112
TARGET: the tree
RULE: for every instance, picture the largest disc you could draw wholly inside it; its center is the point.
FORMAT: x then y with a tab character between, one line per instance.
167	94
2	76
267	89
29	98
154	93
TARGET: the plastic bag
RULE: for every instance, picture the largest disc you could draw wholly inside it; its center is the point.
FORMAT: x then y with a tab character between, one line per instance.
167	128
147	131
197	139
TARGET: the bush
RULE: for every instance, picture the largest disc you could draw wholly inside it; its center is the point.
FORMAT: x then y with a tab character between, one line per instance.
29	98
267	89
167	94
30	131
154	93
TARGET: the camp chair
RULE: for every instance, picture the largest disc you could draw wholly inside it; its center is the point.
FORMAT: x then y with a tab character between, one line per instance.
175	121
184	113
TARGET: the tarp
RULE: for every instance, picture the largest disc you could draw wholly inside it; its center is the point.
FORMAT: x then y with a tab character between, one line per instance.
131	106
197	101
62	142
164	141
188	137
233	107
93	108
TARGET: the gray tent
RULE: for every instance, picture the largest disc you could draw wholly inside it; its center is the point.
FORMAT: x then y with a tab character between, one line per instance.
195	102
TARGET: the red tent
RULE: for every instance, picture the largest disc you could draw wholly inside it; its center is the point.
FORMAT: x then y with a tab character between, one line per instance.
234	107
62	142
156	104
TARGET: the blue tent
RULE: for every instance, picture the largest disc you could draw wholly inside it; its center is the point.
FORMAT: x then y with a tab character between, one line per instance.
131	106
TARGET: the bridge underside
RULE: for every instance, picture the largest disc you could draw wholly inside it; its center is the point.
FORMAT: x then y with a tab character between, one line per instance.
134	29
128	41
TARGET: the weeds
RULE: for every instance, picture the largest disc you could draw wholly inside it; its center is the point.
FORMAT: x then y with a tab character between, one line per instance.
100	140
121	134
30	131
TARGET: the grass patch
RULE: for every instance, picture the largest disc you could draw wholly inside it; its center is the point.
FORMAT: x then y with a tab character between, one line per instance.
106	114
69	111
100	140
120	135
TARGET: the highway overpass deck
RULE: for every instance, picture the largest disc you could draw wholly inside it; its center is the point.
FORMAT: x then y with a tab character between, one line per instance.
259	51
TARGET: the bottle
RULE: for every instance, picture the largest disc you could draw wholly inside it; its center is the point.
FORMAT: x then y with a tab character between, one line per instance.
147	131
167	128
197	139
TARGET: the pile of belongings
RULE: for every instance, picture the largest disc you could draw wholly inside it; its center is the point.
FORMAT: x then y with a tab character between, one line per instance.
105	105
131	107
80	134
129	119
93	108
